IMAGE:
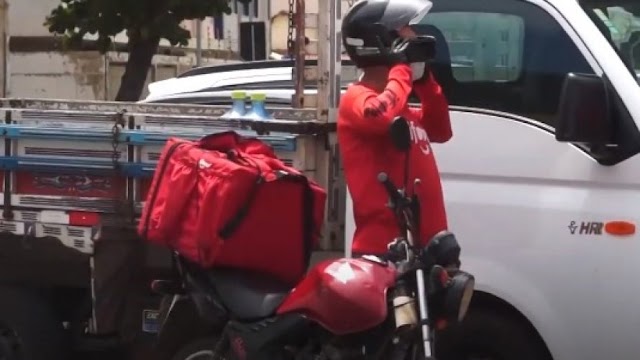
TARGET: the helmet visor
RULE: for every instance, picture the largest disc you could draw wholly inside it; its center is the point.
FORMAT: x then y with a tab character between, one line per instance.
401	13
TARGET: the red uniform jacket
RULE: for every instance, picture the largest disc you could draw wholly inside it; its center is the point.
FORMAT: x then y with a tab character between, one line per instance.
366	149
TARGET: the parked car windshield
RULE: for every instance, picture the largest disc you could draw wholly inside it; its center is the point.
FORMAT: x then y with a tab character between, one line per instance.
619	21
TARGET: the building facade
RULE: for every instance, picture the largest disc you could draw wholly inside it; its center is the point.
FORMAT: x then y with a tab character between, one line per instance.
33	63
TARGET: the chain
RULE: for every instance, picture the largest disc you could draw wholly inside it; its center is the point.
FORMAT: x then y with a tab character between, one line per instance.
292	25
118	123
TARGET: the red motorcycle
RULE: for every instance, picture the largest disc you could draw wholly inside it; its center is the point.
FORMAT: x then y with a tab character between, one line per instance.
363	308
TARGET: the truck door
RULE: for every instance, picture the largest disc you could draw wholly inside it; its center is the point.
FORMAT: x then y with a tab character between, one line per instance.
536	217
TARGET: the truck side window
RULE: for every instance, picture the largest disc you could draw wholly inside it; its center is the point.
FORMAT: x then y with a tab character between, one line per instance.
504	55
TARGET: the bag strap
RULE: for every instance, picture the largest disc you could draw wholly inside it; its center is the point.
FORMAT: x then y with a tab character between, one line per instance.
308	230
232	225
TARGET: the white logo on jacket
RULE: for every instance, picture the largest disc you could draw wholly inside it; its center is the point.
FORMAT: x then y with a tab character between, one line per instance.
203	164
419	137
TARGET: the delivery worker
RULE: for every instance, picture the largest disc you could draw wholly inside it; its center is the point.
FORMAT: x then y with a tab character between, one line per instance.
373	32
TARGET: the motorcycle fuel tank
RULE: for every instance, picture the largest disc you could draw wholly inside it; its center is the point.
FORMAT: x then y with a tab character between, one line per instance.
344	296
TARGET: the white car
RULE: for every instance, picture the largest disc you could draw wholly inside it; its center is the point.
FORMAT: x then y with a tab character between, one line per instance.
213	85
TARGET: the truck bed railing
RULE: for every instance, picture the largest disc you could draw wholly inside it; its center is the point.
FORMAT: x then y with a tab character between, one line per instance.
280	113
100	156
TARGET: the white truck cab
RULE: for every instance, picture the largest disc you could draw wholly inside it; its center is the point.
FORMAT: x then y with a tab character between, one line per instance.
541	177
547	227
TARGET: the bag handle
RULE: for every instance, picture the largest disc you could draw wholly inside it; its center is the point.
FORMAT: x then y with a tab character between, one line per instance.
231	140
222	141
235	155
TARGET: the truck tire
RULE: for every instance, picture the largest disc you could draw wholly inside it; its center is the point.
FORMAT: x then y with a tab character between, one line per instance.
199	349
29	329
490	335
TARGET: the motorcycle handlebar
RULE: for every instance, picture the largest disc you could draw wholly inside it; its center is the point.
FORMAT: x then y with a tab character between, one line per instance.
394	195
401	205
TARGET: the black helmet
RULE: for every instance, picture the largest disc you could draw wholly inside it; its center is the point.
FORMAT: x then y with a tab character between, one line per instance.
370	27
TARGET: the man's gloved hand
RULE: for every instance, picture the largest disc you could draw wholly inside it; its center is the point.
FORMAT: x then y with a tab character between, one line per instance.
421	72
397	54
426	86
419	52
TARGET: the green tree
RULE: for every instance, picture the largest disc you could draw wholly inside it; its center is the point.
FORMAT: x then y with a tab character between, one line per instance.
145	22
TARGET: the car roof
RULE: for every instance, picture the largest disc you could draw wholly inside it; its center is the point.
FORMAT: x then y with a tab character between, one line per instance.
272	75
202	82
223	97
258	64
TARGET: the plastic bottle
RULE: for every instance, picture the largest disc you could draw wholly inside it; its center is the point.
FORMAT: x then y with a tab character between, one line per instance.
258	110
238	109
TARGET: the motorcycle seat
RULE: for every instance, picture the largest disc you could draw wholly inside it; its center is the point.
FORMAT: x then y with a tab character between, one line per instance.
246	294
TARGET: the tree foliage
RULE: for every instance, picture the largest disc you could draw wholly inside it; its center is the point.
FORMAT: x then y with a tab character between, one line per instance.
145	22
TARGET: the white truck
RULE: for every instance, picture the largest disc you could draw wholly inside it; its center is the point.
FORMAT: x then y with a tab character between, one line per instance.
541	182
542	175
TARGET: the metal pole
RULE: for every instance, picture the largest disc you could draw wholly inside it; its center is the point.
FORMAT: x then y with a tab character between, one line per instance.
267	19
198	42
335	55
329	68
300	54
253	32
4	49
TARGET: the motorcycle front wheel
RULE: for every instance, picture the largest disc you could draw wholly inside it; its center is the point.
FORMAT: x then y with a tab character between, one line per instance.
409	351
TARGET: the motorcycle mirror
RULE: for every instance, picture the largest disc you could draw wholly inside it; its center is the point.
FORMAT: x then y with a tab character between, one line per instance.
400	134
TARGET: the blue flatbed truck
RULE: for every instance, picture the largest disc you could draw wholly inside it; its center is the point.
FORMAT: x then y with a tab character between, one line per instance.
74	276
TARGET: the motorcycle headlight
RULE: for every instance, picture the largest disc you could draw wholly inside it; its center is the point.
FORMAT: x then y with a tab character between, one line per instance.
458	293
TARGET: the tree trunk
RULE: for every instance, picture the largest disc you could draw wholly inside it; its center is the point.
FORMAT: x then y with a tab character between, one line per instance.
141	51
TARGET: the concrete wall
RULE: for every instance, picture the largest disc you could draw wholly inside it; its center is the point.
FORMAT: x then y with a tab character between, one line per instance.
26	17
82	75
85	75
35	12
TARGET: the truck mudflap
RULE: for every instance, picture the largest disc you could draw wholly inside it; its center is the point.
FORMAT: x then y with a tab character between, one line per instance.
42	262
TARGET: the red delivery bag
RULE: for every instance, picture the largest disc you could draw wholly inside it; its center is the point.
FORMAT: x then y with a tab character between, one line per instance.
228	201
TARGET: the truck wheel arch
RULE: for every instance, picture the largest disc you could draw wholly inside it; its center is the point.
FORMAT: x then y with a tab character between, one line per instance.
486	300
495	310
